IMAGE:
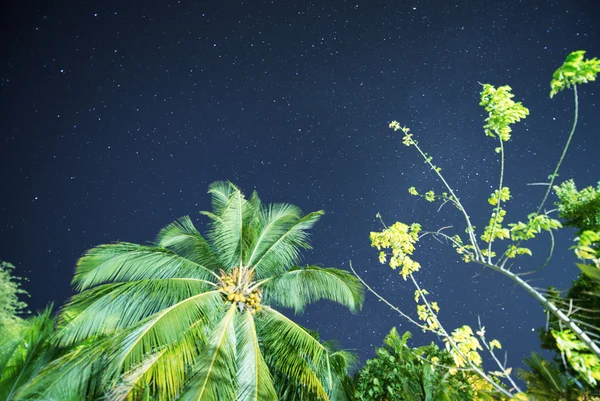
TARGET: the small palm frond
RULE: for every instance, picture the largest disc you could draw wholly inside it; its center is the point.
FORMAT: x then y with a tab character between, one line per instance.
545	381
301	286
221	192
129	262
76	372
184	239
255	201
254	379
398	344
282	253
341	363
274	221
112	307
214	373
293	352
227	229
23	356
164	329
166	368
133	382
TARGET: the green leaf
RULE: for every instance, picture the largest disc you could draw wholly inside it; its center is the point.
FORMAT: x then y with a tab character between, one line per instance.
305	285
589	270
215	367
575	70
116	306
129	262
227	229
254	379
292	351
182	238
284	252
503	111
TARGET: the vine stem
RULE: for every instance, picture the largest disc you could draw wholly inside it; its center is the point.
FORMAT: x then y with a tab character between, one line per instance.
554	174
499	200
562	157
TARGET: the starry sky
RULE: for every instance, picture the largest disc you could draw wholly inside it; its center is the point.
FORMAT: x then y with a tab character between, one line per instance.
117	115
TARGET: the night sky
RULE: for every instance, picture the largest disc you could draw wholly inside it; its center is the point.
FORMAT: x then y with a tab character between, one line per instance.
117	115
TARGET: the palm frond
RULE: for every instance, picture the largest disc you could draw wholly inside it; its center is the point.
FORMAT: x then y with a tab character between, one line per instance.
184	239
545	381
341	363
129	262
22	357
166	369
289	389
76	372
221	192
282	253
274	221
108	308
164	329
255	201
132	383
214	373
301	286
254	379
292	351
227	230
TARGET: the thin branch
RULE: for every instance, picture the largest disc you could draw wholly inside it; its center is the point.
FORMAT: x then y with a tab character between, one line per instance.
382	299
562	157
548	305
499	200
443	331
470	230
502	367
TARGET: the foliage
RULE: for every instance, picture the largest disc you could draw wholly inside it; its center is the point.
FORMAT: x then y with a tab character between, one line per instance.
10	305
341	362
503	111
401	239
399	373
193	316
577	353
579	209
575	70
546	382
577	337
23	354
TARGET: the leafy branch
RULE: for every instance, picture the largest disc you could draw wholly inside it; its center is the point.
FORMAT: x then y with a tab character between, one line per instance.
402	238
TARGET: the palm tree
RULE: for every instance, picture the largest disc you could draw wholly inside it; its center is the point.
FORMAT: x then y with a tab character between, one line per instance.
24	352
193	317
545	381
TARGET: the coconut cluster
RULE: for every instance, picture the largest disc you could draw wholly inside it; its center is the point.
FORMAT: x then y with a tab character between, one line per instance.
238	290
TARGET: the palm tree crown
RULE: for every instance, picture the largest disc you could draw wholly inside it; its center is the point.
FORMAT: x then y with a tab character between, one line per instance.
192	317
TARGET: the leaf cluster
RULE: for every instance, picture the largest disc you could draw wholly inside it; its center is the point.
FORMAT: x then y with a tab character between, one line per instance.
401	373
575	70
579	208
10	304
502	111
401	239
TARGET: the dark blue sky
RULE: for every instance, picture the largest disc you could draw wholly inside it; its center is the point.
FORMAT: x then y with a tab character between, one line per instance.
116	116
